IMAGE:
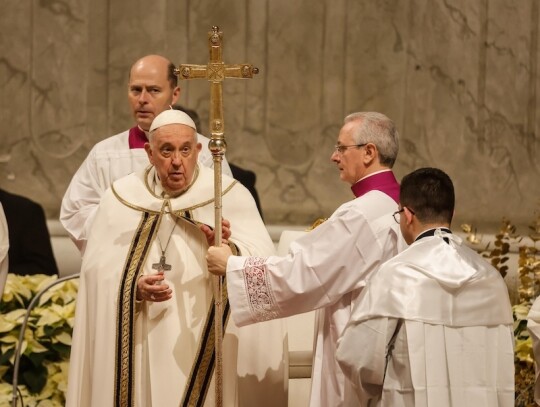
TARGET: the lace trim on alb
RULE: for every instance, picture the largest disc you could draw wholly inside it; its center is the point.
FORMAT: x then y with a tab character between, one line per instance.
260	297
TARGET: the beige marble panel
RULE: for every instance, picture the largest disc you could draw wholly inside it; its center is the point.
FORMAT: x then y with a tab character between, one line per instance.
96	88
459	78
136	28
15	85
48	114
463	89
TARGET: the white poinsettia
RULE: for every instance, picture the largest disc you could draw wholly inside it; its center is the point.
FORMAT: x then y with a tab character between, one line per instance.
47	338
10	320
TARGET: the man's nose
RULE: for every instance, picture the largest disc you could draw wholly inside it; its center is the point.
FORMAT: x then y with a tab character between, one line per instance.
176	159
334	157
143	97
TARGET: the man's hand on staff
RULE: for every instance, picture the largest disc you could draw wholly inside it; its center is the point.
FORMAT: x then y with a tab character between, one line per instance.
148	288
217	259
210	234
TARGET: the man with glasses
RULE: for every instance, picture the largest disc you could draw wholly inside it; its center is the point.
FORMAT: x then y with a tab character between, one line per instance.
433	326
327	268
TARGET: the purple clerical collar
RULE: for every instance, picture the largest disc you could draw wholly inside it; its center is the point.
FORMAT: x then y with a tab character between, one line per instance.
382	181
137	138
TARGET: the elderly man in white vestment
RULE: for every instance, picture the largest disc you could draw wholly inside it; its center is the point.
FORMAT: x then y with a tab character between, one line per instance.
533	324
143	332
433	326
326	268
152	88
4	248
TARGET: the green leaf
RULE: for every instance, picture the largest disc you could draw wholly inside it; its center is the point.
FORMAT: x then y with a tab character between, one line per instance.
6	356
35	378
3	370
62	349
37	359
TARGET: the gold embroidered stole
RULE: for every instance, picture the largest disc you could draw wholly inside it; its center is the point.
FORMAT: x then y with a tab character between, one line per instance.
203	366
125	346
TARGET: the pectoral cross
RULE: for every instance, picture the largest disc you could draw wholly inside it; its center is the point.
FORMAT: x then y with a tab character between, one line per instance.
162	265
216	71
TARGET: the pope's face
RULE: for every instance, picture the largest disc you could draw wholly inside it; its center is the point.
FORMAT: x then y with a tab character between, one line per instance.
173	150
350	160
149	90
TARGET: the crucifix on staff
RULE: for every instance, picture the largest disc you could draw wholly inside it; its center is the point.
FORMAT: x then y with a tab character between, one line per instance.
216	71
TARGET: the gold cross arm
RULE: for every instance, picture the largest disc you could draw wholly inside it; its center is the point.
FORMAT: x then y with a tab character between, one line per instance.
216	71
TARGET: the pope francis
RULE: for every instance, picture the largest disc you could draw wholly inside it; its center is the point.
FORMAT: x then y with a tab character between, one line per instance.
143	332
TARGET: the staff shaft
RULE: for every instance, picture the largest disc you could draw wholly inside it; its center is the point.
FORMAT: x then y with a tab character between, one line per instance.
215	72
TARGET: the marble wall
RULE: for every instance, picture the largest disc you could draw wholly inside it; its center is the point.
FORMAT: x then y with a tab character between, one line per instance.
459	77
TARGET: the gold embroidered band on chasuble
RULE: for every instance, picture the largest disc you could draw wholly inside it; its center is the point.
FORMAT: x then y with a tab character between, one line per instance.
125	347
203	366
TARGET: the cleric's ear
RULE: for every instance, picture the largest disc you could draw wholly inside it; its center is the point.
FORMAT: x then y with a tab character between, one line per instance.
370	153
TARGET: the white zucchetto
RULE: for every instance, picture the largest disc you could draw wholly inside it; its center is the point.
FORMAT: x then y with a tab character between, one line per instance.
172	116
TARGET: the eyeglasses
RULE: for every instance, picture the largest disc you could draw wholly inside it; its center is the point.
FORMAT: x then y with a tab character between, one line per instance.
338	148
397	216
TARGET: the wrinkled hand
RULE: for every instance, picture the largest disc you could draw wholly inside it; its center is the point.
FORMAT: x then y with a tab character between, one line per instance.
210	234
152	288
217	259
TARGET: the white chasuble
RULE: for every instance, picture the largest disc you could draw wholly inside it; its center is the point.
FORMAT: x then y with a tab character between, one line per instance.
109	160
432	328
533	324
144	354
325	270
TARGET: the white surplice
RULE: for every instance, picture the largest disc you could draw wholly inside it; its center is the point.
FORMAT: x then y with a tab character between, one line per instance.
109	160
325	270
533	324
432	328
166	336
4	248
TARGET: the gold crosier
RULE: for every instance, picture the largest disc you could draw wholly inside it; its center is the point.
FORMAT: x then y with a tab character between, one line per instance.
215	72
